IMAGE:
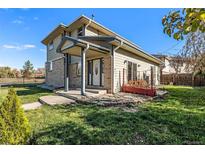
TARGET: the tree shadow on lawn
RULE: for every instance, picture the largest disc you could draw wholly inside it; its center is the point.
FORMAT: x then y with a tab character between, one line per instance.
69	133
113	126
77	133
156	126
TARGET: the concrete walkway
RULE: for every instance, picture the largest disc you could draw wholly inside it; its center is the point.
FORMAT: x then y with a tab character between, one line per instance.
49	100
55	100
31	106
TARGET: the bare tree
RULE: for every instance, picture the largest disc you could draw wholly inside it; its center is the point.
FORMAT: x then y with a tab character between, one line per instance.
176	63
194	53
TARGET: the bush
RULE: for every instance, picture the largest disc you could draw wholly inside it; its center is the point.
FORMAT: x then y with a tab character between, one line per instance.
14	126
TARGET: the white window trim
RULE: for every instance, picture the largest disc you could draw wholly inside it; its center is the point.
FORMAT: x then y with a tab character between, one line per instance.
50	65
132	69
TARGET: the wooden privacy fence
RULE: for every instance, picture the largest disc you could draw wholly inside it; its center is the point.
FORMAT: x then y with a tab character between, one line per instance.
182	79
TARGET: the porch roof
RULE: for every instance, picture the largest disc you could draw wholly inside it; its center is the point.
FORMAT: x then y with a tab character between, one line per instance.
79	43
98	38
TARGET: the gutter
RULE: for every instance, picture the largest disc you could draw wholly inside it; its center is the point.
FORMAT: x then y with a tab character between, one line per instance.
61	25
139	49
113	65
126	41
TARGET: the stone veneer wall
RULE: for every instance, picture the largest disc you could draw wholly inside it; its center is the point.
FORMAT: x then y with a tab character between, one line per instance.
75	79
107	72
55	77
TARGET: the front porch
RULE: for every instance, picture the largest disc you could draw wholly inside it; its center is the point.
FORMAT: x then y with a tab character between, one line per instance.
76	95
101	98
93	69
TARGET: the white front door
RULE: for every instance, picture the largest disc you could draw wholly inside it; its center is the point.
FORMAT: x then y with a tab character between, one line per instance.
96	72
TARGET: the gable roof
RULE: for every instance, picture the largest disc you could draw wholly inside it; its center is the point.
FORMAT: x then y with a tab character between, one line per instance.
84	20
59	29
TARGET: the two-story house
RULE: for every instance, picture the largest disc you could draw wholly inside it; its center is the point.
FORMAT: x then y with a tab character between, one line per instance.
172	65
86	54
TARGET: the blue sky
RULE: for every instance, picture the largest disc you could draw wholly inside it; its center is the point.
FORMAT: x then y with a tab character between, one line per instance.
21	31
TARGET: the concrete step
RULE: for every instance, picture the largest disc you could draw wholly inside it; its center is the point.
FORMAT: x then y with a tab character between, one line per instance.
97	91
55	100
31	106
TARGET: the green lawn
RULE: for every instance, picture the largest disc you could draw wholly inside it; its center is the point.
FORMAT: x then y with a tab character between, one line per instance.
27	93
178	119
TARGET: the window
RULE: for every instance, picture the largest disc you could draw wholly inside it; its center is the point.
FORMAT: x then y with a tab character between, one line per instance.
89	72
132	71
80	31
78	69
129	71
50	45
50	66
144	75
158	73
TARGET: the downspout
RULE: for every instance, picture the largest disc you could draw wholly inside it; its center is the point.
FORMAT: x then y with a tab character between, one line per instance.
113	65
86	26
90	20
87	47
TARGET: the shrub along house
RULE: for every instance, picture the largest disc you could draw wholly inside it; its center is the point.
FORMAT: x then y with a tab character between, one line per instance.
86	54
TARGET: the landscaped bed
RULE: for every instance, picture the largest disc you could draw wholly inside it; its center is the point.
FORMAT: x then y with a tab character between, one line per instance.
177	119
28	93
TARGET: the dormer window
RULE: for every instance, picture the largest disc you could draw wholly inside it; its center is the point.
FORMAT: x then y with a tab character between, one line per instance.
80	31
50	45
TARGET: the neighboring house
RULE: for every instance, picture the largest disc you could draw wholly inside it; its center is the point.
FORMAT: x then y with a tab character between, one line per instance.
169	68
86	54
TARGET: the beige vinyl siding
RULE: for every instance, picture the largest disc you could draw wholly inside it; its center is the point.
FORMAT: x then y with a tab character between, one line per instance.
120	57
92	32
74	33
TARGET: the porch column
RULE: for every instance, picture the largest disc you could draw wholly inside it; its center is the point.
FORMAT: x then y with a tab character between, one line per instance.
66	73
83	71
